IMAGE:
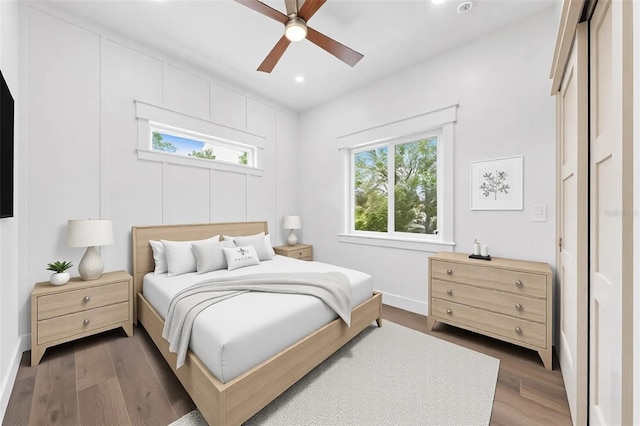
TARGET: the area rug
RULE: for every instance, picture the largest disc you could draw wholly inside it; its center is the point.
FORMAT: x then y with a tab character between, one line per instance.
387	376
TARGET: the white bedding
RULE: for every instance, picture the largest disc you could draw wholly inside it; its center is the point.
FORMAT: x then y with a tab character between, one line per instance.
237	334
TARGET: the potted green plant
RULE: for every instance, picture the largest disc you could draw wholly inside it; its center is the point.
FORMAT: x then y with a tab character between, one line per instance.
59	275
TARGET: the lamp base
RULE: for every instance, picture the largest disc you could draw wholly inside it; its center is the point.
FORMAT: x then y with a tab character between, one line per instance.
292	240
91	266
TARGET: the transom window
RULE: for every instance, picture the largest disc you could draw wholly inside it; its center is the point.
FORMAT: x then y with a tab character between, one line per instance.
395	187
189	144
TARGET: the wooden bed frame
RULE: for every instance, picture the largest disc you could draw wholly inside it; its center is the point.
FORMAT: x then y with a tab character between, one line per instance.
234	402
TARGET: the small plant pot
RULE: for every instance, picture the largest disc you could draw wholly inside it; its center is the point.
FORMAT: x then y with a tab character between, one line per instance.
59	278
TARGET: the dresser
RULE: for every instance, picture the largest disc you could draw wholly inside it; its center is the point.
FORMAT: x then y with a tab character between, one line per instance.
78	309
298	251
510	300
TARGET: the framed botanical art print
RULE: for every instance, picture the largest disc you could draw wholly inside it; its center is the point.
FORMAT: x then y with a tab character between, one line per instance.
496	184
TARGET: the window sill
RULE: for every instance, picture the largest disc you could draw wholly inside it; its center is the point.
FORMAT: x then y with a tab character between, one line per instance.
197	162
399	243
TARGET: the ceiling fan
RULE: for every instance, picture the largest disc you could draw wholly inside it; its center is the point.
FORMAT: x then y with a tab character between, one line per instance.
296	29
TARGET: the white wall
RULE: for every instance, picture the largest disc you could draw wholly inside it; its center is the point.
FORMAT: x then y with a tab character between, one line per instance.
500	82
81	145
9	341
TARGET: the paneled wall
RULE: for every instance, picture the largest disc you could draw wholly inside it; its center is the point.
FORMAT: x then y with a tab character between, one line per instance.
500	83
81	145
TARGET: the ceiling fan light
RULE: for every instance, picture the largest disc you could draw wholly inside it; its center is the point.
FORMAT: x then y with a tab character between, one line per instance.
295	29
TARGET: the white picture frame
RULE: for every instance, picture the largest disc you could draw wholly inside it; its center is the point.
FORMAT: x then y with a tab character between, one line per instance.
497	184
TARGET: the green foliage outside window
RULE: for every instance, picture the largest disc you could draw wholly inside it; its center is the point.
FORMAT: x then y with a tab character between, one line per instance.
206	154
415	190
243	158
160	145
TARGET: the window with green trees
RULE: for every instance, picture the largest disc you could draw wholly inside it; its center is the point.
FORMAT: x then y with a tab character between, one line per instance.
201	147
400	178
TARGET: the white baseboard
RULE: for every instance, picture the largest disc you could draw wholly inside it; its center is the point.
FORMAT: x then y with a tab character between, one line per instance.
23	344
407	304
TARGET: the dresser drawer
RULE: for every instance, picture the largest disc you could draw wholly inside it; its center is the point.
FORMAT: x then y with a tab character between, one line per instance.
518	306
65	326
69	302
494	278
502	325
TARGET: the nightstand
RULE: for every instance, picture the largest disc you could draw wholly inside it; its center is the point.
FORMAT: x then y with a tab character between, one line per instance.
299	251
78	309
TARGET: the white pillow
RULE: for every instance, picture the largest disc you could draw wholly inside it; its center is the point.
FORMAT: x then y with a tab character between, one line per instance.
239	257
209	255
159	258
261	242
180	257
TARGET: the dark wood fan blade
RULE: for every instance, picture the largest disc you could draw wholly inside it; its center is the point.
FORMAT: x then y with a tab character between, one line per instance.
339	50
309	8
265	10
274	56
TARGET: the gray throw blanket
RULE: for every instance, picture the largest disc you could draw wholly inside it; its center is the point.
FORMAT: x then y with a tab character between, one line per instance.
333	288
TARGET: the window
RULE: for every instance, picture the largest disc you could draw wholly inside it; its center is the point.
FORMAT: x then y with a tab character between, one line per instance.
400	178
398	183
168	136
199	146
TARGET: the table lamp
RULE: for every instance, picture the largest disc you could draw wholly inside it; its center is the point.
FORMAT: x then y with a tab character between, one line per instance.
90	233
291	222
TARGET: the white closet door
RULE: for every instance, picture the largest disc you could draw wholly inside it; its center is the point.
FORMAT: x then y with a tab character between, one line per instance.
572	219
611	226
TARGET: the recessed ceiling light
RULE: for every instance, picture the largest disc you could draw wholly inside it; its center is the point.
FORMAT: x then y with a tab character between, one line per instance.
465	7
299	79
438	1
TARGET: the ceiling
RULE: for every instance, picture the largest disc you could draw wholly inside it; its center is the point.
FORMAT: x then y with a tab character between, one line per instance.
230	40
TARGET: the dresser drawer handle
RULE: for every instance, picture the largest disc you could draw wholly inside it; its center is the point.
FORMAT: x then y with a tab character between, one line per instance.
449	272
518	330
449	312
300	253
518	283
86	321
518	306
87	298
450	292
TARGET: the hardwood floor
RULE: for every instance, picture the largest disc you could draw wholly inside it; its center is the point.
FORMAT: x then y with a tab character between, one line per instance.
110	379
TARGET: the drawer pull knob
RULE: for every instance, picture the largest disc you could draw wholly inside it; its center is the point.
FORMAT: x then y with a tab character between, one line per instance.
87	298
518	283
449	271
518	330
86	321
449	311
518	306
449	292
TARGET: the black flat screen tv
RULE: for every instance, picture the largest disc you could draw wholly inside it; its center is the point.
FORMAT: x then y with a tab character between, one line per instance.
6	149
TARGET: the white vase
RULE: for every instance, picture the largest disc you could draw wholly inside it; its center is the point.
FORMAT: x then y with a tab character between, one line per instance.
59	278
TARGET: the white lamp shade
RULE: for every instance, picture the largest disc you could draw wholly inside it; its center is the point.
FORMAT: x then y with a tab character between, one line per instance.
89	233
291	222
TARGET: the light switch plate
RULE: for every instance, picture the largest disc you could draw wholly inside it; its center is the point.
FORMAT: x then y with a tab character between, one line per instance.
539	213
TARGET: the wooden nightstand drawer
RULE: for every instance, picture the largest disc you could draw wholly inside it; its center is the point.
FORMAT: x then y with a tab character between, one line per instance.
493	278
524	307
65	326
511	328
299	251
53	305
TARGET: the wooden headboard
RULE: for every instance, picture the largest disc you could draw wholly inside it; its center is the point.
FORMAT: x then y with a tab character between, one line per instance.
143	256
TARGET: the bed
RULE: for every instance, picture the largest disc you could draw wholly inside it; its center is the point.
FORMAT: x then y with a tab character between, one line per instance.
246	393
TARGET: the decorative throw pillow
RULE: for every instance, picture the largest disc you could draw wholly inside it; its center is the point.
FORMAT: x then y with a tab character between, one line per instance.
180	257
239	257
261	242
210	256
159	258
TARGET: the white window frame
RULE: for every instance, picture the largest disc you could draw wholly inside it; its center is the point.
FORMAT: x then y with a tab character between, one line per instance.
437	123
154	118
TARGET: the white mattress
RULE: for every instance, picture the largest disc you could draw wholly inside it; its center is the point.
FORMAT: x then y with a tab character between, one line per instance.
237	334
